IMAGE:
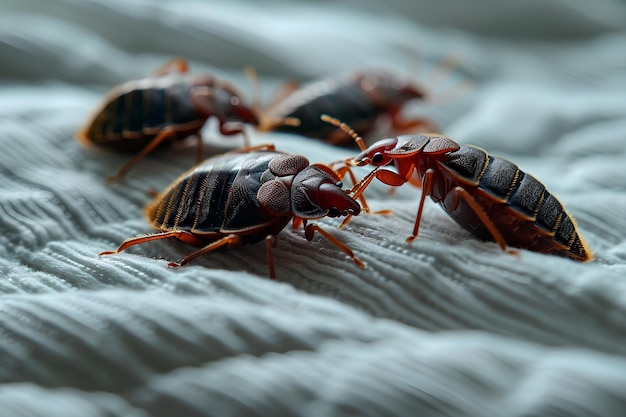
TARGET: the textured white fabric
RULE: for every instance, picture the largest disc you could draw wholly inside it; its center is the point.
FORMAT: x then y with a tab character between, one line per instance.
446	326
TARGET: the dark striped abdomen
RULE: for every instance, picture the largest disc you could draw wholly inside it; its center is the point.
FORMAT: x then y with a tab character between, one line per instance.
526	214
345	101
135	112
217	198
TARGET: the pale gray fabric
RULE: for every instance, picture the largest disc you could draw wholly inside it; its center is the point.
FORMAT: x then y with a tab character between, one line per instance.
446	326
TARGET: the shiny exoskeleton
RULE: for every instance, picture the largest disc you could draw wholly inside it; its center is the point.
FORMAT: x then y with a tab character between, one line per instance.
245	197
360	100
487	195
170	105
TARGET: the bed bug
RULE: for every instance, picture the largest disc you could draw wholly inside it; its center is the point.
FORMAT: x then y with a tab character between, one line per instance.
172	104
245	197
360	99
487	195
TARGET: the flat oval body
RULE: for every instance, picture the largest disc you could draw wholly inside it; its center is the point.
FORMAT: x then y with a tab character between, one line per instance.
134	113
357	100
217	198
525	213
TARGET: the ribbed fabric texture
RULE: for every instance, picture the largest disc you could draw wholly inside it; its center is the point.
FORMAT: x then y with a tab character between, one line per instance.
445	326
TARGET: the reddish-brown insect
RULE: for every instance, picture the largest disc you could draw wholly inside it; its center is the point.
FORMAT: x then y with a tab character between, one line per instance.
360	99
171	105
487	195
245	197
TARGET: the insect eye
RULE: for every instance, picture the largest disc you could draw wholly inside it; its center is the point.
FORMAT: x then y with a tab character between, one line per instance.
333	212
377	158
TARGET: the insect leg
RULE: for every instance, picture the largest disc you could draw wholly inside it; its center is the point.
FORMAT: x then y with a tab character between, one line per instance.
386	176
427	187
230	240
343	170
270	241
452	202
176	64
310	230
233	131
147	238
158	139
401	125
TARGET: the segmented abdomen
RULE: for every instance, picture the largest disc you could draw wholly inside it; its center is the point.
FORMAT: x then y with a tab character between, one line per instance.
343	100
137	111
526	214
217	198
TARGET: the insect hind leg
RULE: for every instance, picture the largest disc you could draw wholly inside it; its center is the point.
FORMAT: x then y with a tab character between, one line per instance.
180	235
452	201
164	135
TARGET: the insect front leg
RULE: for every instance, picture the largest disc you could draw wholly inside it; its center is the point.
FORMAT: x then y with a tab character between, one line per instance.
309	232
427	187
342	168
358	189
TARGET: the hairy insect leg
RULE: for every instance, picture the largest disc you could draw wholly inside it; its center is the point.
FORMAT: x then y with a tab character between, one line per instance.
309	232
452	201
154	143
231	240
148	238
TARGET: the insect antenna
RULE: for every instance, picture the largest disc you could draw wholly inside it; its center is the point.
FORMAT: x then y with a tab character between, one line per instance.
347	129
